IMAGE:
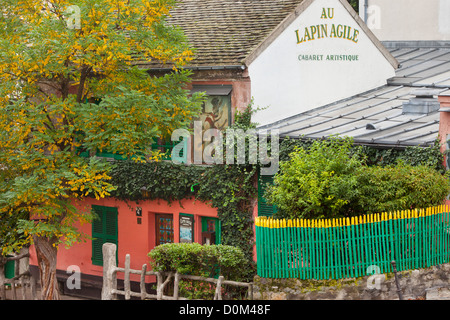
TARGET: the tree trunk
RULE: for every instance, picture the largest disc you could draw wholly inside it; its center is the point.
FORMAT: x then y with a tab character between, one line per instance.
46	257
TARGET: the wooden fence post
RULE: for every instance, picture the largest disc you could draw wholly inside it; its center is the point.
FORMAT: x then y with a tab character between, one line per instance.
142	282
127	277
250	291
2	278
33	287
109	274
161	284
176	285
218	293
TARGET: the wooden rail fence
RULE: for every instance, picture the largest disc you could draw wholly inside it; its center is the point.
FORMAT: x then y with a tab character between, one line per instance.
110	269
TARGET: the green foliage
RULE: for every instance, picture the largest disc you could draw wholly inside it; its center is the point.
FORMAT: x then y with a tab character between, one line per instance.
399	187
316	183
331	179
197	259
413	155
185	258
154	180
11	237
201	260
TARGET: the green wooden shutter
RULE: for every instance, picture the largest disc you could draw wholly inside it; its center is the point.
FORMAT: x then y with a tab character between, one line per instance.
264	208
104	229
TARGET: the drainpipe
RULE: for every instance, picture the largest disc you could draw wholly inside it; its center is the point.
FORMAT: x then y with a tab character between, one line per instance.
366	9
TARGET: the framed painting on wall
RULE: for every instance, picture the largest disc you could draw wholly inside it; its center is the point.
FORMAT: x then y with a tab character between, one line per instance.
216	111
186	228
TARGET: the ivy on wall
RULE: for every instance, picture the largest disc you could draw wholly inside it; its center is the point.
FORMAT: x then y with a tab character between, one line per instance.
164	180
412	155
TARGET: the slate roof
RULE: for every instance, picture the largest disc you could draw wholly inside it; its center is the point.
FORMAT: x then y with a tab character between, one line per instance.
224	32
377	117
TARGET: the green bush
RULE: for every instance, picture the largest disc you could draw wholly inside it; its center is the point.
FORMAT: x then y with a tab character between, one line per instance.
201	260
196	259
181	257
330	180
317	183
399	187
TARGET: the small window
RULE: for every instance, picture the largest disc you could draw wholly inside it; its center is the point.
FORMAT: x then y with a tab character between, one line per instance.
104	230
164	229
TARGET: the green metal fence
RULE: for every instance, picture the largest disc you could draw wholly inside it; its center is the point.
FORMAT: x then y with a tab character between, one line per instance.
352	247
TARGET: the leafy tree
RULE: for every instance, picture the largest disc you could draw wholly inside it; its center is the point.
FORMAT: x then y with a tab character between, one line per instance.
12	239
354	4
70	82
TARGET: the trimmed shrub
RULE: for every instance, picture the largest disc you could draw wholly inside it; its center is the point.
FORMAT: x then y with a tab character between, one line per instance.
201	260
399	187
331	181
196	259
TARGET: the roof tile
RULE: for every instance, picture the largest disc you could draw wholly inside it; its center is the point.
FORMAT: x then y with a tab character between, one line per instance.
224	32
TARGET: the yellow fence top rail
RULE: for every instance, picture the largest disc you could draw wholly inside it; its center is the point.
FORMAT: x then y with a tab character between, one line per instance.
268	222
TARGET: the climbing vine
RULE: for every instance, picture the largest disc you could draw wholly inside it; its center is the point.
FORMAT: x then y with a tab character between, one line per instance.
164	180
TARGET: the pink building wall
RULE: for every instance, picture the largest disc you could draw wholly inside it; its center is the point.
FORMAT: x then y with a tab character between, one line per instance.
133	238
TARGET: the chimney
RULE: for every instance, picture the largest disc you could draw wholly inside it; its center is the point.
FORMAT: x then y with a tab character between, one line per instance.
423	102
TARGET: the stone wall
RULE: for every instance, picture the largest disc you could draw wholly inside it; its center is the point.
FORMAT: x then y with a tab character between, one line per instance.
424	284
